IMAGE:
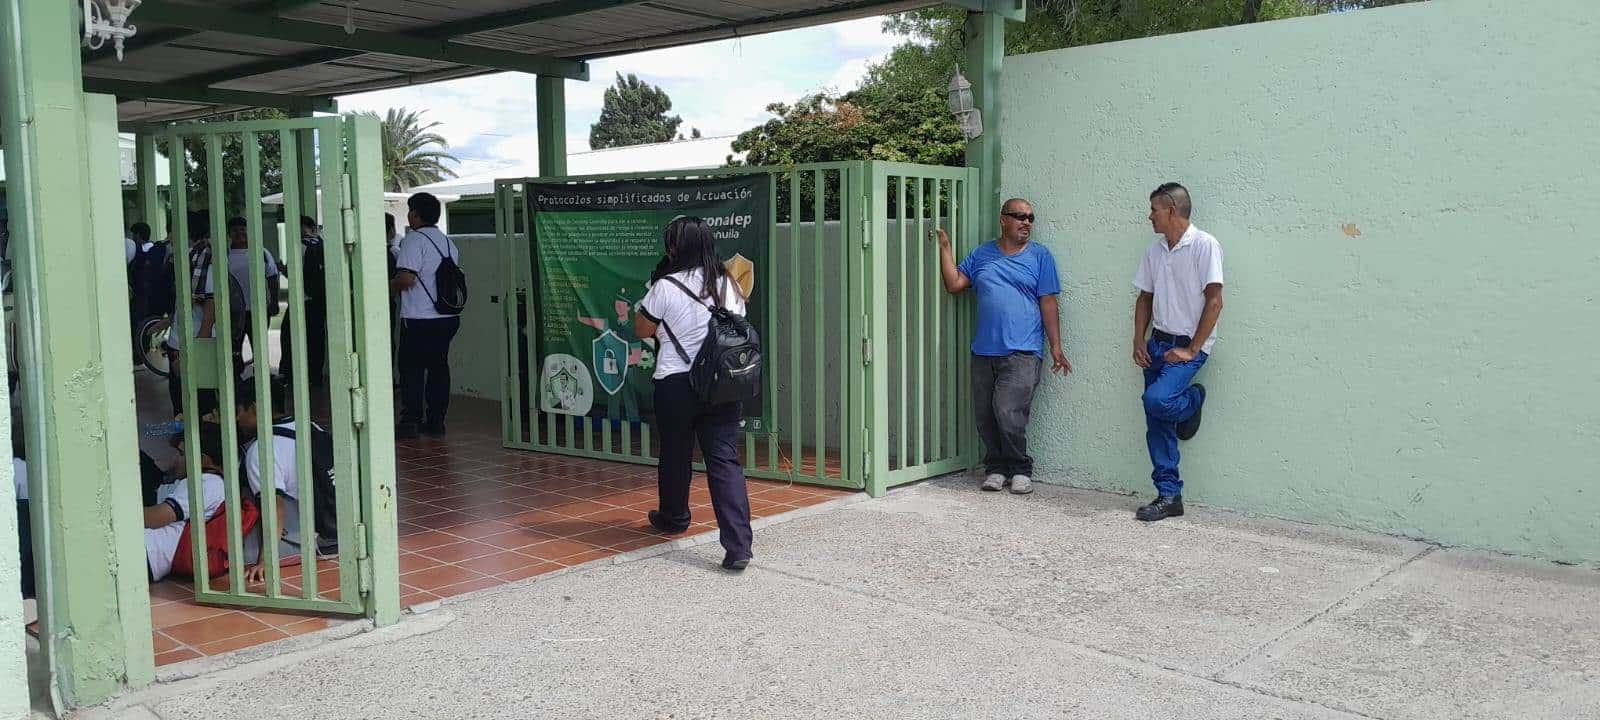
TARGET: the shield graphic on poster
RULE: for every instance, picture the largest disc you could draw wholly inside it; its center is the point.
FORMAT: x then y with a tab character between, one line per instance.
610	361
743	272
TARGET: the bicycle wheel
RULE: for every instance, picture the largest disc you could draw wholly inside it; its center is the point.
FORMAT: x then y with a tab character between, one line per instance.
152	349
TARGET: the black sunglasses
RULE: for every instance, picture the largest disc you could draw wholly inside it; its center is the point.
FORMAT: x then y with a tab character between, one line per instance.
1023	217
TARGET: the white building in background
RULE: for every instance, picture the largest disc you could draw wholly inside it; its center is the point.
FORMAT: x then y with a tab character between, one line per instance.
129	156
696	154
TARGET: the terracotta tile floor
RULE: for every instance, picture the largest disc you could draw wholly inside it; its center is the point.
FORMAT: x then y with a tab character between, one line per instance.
472	516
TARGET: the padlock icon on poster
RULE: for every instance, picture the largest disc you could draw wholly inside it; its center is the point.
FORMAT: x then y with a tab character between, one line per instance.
609	364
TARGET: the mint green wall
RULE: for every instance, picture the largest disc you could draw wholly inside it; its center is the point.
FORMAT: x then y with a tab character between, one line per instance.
475	353
1434	375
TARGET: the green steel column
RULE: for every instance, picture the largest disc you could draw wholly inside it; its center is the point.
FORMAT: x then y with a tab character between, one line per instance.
551	118
13	663
306	162
14	695
375	448
986	45
121	417
149	193
76	391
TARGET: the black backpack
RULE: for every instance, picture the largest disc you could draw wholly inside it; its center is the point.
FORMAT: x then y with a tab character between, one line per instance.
449	281
151	277
314	270
727	369
324	490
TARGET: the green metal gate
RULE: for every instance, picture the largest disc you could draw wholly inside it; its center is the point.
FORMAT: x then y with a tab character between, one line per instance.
851	280
328	167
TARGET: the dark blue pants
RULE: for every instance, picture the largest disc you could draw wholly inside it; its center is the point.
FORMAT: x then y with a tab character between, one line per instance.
1169	398
425	369
680	421
25	545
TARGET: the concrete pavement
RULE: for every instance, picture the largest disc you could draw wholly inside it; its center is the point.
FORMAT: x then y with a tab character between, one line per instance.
938	601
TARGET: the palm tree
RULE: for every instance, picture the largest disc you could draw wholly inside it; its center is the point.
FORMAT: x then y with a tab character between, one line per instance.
410	155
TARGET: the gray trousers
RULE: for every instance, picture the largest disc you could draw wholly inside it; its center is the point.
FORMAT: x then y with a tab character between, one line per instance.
1002	396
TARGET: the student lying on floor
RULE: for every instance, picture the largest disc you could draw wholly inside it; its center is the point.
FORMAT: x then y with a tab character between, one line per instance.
165	519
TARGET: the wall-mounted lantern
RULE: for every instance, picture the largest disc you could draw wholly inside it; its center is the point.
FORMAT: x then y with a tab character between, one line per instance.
968	117
108	20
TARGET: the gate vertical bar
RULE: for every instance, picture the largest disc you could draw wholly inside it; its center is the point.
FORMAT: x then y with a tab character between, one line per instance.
901	316
375	445
223	330
774	359
875	296
797	449
184	325
299	382
511	425
849	366
263	372
818	376
919	290
345	379
936	338
527	262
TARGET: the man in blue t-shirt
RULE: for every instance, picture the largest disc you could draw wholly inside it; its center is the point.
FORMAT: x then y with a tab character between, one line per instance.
1016	285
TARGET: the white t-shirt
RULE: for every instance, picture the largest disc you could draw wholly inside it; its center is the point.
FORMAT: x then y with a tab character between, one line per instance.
19	474
161	543
239	268
203	286
1178	277
667	304
420	252
286	479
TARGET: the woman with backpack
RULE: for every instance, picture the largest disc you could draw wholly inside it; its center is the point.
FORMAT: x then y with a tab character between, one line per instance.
677	311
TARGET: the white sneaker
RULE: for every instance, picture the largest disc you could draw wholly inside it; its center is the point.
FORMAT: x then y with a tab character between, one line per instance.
1021	485
994	482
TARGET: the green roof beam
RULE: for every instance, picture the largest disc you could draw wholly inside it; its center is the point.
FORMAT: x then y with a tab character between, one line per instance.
1013	10
197	17
127	90
162	37
497	21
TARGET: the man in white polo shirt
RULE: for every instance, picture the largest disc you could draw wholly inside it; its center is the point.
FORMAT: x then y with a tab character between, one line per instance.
425	332
1180	288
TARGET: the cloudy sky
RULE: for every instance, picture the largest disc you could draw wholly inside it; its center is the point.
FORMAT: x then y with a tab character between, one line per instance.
721	88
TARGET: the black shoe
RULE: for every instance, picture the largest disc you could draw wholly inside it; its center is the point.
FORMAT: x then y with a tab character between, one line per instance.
660	523
405	431
433	429
729	563
1161	508
1188	428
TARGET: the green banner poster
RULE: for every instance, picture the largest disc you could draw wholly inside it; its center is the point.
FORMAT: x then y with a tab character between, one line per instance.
595	245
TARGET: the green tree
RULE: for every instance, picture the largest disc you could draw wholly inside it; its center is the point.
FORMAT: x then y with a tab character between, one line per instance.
634	113
899	111
413	154
198	170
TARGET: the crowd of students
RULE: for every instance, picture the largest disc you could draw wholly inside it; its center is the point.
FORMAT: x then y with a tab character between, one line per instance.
154	287
688	288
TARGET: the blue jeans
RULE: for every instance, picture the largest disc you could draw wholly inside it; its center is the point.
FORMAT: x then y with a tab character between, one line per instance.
1169	398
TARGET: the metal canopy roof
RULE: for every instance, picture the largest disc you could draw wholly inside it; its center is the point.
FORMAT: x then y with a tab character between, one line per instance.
191	59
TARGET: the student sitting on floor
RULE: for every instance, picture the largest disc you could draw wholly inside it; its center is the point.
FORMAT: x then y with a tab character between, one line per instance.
286	477
164	520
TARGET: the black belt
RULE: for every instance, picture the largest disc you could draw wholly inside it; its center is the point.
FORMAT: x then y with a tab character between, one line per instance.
1179	340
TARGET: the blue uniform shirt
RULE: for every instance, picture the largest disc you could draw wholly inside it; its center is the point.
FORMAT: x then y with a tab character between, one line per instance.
1008	290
